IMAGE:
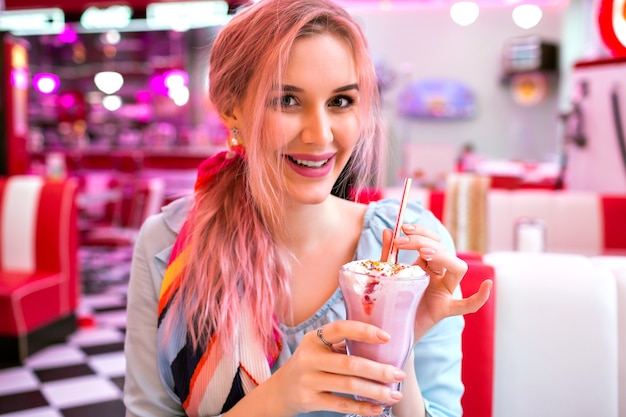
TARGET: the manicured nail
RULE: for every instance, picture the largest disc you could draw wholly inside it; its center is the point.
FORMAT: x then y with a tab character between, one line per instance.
383	335
402	240
398	375
396	395
408	227
427	253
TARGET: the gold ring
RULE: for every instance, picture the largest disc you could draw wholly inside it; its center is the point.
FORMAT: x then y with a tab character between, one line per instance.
320	336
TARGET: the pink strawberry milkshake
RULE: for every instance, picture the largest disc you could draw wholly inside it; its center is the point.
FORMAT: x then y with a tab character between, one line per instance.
387	296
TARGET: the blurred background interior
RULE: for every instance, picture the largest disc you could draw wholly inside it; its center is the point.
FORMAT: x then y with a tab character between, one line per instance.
508	114
124	87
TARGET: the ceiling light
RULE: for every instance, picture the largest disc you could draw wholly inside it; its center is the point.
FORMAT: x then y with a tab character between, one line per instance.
112	103
175	78
46	83
108	82
181	16
179	95
32	21
464	12
527	16
112	17
111	37
385	5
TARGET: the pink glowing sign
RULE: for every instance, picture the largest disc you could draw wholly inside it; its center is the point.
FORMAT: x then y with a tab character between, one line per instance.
169	80
612	25
68	35
19	78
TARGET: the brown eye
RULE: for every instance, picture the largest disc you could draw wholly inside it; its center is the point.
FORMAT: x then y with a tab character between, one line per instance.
342	102
283	102
287	101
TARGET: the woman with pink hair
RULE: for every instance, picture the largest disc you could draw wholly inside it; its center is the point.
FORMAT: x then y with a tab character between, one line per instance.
234	307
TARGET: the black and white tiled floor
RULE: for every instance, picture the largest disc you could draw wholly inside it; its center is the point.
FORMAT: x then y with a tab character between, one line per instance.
83	377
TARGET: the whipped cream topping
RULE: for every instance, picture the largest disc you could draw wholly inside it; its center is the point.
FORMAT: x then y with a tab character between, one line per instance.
384	269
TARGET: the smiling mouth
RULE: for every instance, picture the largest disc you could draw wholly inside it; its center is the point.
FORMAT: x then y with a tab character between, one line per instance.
308	164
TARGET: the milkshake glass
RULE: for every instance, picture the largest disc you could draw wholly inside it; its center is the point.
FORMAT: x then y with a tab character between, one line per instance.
387	296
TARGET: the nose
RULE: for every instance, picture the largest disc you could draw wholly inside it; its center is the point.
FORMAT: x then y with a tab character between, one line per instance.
317	128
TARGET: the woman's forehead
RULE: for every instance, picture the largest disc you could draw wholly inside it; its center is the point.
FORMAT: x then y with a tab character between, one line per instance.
318	58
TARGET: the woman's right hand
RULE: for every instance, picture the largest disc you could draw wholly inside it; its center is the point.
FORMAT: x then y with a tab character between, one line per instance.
308	380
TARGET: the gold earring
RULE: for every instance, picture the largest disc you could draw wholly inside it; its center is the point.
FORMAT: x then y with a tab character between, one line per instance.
235	147
234	140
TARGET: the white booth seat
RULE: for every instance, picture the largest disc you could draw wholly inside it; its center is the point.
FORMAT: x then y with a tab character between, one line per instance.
617	265
556	336
620	276
573	220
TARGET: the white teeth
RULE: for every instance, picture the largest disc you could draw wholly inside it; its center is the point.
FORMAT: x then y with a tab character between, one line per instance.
310	164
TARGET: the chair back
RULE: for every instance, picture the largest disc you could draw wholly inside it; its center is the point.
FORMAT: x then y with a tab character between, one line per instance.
139	198
38	229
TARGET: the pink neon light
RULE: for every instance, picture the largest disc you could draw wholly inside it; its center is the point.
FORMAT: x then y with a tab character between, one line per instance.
46	83
19	78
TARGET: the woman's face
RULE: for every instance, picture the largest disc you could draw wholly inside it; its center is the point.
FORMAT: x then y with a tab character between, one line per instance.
316	116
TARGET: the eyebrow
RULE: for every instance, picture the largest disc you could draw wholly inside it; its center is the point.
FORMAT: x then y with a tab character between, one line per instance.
291	88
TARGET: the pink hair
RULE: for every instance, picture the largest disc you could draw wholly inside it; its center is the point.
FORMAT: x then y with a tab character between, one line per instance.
236	258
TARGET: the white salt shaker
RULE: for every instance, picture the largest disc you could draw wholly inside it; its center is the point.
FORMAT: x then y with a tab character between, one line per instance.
530	235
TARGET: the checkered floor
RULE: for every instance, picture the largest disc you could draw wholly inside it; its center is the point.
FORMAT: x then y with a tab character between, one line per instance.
81	378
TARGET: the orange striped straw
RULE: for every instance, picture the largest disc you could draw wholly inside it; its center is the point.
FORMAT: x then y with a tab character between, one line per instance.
392	257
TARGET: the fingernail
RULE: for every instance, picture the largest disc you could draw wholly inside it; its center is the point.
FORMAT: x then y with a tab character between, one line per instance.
427	253
398	375
376	409
402	240
396	395
408	227
383	335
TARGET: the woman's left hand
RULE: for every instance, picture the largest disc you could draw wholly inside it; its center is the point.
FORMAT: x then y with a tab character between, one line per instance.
446	271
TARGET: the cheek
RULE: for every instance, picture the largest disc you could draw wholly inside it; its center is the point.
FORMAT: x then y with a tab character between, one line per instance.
277	131
348	132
